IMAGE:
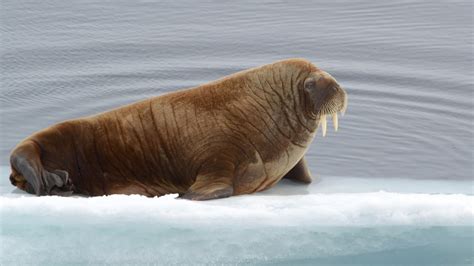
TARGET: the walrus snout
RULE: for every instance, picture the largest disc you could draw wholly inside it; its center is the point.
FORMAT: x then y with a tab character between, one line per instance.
337	101
325	94
326	97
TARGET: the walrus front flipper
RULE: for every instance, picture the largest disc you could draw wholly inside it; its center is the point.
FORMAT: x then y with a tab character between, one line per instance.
27	168
207	187
300	172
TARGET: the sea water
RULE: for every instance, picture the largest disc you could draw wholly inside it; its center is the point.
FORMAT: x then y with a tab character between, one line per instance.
393	186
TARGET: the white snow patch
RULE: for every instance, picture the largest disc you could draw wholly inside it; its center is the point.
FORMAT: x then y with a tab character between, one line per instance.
340	209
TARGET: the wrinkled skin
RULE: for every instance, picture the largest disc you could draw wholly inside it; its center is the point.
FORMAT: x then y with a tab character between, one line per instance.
237	135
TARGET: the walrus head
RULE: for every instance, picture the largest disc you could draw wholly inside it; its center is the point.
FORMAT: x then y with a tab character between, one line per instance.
324	97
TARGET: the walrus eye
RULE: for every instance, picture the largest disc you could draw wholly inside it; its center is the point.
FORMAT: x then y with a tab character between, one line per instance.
310	84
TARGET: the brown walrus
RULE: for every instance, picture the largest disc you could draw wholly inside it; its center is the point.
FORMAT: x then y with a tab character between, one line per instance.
237	135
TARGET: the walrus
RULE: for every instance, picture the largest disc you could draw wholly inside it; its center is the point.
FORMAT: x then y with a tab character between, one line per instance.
236	135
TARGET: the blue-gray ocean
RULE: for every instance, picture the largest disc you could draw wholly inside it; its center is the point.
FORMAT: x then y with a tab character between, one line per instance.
395	182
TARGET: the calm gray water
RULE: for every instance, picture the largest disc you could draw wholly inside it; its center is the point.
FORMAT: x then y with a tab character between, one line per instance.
407	67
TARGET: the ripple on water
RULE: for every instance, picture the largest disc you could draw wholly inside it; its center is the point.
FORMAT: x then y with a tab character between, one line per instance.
406	66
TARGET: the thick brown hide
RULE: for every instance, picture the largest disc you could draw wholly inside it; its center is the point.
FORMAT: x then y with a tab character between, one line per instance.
237	135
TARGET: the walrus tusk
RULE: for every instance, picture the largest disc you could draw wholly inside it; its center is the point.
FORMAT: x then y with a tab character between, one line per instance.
335	122
323	124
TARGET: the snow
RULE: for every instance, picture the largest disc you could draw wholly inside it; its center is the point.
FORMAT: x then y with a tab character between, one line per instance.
339	209
334	220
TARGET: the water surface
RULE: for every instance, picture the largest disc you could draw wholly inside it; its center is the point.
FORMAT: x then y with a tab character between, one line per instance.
406	66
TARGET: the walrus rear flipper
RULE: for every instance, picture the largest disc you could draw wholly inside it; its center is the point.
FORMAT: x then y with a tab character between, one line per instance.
61	184
25	161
